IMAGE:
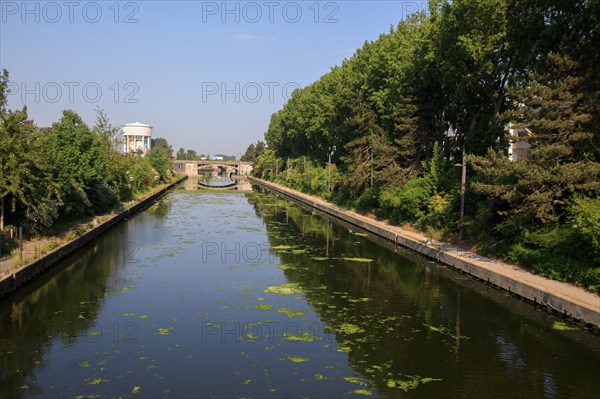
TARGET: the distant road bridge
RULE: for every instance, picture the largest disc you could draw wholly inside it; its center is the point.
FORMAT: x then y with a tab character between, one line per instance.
198	167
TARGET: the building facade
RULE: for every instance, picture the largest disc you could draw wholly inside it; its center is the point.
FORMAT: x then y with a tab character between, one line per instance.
137	138
518	149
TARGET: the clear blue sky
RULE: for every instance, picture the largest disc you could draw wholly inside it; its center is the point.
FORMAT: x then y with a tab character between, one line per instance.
206	74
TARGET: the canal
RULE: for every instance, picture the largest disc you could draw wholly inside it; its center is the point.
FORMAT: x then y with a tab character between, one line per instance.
219	294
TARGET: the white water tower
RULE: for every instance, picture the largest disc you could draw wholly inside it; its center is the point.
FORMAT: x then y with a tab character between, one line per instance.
138	138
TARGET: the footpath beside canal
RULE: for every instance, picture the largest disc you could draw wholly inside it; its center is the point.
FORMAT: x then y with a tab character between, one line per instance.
562	297
20	276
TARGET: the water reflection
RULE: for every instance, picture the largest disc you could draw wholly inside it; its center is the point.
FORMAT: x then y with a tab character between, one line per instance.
225	182
55	309
413	324
171	303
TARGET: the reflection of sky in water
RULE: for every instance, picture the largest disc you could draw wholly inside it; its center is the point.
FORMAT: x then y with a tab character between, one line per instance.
549	386
509	353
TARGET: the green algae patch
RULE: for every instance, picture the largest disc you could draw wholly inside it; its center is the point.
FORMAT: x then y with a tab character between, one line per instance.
135	389
412	382
291	313
561	326
299	251
361	260
444	331
85	363
365	392
263	306
343	349
440	329
283	289
305	336
282	247
355	380
284	267
165	331
295	359
125	289
144	316
251	338
360	300
96	381
348	328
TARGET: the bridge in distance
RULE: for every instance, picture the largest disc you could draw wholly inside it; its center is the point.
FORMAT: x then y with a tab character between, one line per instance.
198	167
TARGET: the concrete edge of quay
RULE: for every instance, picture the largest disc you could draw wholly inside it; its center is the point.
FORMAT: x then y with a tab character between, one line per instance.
20	277
564	298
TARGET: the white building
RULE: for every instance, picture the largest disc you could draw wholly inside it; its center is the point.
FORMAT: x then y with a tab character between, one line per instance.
137	138
517	149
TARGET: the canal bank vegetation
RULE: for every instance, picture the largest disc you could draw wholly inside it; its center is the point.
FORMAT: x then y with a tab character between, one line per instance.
384	132
53	178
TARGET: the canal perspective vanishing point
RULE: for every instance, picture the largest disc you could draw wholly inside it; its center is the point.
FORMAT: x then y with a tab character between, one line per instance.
225	294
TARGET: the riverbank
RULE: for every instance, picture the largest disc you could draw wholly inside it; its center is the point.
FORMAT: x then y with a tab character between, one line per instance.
564	298
19	274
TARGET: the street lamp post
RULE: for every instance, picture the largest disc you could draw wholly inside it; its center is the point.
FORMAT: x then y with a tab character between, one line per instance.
463	183
330	153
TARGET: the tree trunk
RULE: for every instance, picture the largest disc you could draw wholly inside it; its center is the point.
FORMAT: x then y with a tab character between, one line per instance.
1	214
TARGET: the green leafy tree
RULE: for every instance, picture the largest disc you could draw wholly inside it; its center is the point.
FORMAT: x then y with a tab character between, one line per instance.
249	154
117	164
253	151
191	154
33	198
160	159
142	174
259	148
78	165
161	142
266	165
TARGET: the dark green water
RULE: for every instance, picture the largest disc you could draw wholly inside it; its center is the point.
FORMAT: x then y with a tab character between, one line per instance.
232	295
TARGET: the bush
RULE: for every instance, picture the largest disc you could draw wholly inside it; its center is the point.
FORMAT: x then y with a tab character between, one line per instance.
368	201
407	204
306	175
585	219
142	175
441	212
102	197
557	252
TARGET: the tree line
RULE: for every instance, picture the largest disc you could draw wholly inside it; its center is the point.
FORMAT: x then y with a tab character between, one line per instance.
189	155
52	176
440	89
253	151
